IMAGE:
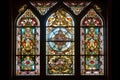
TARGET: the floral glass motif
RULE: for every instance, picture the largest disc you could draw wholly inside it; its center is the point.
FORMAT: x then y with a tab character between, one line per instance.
92	47
60	44
43	7
91	19
92	63
27	65
77	6
28	19
60	64
27	44
92	41
60	18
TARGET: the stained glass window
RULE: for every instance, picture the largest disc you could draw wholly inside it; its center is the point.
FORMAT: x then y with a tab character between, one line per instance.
60	44
92	44
68	48
43	7
77	6
28	44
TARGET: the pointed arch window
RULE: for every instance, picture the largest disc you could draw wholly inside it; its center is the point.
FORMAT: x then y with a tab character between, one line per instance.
59	39
60	44
92	44
27	44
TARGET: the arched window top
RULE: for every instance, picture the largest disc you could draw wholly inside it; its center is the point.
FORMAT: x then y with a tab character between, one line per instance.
91	19
60	18
28	19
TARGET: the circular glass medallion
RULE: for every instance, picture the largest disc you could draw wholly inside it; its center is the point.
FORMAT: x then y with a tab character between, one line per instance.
60	39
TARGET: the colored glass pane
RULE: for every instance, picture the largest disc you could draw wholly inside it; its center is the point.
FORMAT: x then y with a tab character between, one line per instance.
91	44
92	65
43	7
28	19
77	6
60	18
60	48
27	65
60	44
60	65
91	19
28	44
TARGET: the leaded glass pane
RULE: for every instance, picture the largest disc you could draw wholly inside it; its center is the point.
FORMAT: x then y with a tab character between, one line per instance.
60	65
92	44
60	44
43	7
28	44
77	6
